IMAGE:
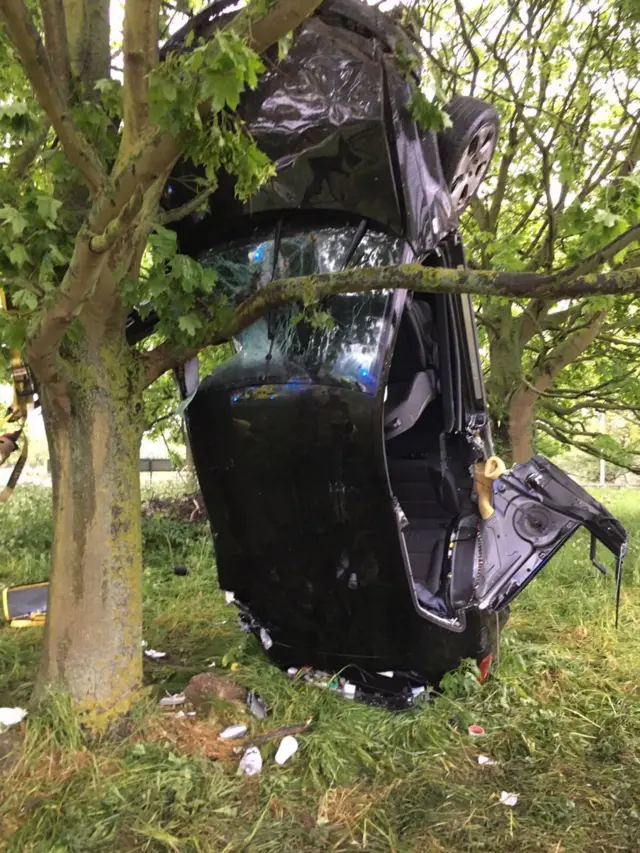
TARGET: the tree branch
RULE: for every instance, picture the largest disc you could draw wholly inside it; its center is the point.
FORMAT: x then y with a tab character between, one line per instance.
312	289
56	44
21	162
140	38
187	208
116	228
162	150
606	253
77	286
36	63
564	438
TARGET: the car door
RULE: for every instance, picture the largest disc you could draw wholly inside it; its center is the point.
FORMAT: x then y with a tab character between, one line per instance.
537	509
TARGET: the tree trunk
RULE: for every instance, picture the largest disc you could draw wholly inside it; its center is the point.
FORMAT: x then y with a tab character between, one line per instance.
94	624
522	409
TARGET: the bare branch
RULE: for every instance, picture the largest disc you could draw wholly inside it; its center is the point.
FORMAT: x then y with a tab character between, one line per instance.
555	432
187	208
55	40
606	253
36	63
633	154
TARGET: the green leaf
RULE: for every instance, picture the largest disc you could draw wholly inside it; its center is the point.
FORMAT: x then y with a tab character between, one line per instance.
13	218
428	114
169	90
24	300
18	255
606	217
190	324
56	257
48	208
164	242
284	46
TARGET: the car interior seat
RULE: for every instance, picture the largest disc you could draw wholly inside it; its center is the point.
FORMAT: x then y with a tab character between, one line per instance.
412	382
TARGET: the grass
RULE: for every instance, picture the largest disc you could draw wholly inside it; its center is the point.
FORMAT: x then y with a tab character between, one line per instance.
561	714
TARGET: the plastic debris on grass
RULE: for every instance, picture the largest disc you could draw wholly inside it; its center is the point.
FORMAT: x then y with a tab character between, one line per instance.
154	654
256	706
251	762
11	717
265	639
172	701
235	731
288	747
485	761
508	799
476	731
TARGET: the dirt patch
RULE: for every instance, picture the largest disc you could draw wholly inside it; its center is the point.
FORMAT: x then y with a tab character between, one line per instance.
205	688
187	508
189	737
10	742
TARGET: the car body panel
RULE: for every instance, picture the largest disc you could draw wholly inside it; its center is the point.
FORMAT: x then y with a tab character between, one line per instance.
538	507
333	117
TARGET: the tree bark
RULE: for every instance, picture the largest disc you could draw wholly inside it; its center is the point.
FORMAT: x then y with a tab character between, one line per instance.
523	401
522	409
93	636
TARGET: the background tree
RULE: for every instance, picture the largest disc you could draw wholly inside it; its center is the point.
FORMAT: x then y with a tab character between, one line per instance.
84	240
564	77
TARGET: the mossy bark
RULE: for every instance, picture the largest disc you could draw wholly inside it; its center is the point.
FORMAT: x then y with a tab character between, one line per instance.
94	624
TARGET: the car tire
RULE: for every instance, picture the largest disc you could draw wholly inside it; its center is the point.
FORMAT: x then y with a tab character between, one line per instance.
467	147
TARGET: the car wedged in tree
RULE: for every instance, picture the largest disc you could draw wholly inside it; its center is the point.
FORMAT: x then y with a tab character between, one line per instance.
344	453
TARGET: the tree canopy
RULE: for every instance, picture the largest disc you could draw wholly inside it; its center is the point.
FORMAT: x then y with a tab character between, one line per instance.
564	77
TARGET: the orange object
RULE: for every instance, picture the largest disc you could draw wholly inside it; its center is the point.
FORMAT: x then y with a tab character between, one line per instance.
484	667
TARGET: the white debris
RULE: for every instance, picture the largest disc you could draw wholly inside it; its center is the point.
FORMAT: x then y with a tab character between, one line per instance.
265	639
349	690
485	761
11	717
185	713
416	691
388	674
508	799
172	701
229	597
144	644
154	654
212	664
288	747
292	671
251	762
231	732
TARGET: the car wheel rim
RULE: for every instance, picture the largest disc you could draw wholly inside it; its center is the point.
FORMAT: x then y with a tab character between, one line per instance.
472	166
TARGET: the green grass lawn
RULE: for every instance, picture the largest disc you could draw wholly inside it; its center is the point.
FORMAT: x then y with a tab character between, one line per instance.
561	713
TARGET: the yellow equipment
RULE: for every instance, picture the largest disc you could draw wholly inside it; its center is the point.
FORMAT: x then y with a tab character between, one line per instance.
25	606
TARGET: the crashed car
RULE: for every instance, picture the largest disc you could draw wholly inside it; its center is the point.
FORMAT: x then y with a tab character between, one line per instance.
361	522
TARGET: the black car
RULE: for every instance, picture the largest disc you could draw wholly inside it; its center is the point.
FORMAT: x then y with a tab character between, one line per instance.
344	453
